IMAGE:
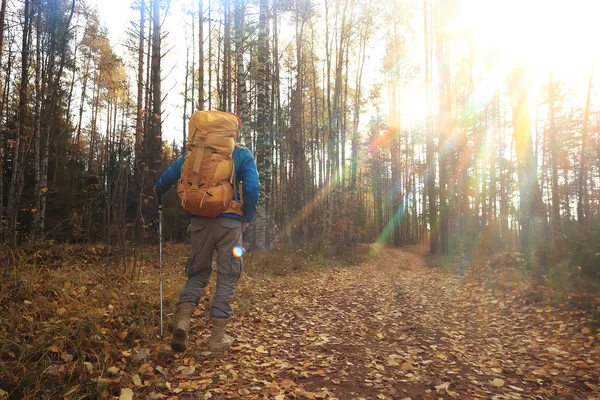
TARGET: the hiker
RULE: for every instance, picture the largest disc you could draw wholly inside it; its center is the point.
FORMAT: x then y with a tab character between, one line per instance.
217	182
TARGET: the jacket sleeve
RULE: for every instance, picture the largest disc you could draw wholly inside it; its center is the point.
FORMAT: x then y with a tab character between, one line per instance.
250	185
169	177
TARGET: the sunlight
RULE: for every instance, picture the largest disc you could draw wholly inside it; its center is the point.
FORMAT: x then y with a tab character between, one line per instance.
543	34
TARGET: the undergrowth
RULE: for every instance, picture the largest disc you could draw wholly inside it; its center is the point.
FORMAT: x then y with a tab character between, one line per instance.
564	282
74	325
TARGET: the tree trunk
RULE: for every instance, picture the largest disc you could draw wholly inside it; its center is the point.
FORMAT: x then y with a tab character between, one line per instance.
583	205
18	165
155	153
3	103
37	125
184	119
263	145
430	160
298	164
242	96
54	80
139	129
555	220
444	123
201	55
534	235
210	55
226	81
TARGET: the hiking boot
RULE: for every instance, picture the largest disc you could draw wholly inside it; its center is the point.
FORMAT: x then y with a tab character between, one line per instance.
219	341
182	325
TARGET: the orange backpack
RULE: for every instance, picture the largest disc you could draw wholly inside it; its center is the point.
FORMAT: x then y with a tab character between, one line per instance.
207	186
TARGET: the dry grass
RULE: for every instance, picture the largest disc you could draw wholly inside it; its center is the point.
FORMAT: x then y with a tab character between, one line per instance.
65	321
69	314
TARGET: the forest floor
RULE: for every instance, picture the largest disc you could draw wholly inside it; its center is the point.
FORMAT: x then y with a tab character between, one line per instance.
390	327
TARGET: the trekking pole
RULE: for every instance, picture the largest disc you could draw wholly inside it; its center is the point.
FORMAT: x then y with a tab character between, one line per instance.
160	265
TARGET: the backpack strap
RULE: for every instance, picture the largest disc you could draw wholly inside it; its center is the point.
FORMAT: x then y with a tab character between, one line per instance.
197	164
232	179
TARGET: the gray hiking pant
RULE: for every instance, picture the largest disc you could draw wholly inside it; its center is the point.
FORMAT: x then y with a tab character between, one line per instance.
210	234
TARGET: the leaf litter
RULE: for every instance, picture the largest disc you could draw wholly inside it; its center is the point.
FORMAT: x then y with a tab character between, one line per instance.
390	328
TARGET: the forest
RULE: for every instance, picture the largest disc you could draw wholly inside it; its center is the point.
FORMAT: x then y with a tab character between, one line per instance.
465	131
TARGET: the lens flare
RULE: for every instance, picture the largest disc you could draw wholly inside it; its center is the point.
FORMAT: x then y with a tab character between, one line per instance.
238	251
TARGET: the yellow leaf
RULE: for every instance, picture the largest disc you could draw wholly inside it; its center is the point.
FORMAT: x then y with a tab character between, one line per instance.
391	361
280	397
54	348
44	190
126	394
88	365
261	350
498	382
586	331
123	335
137	381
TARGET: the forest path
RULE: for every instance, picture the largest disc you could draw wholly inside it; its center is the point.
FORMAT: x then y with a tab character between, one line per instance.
390	328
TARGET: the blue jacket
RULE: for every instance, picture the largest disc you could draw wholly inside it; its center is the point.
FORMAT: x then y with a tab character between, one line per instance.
245	171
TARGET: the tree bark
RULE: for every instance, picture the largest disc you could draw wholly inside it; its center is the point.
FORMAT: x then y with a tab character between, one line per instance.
156	149
583	205
3	104
184	118
430	160
444	122
201	55
139	127
242	96
555	220
54	80
18	165
263	145
532	216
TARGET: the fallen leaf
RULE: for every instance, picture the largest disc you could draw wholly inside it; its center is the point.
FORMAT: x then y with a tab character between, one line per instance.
126	394
88	365
136	380
498	382
287	383
261	350
54	348
591	386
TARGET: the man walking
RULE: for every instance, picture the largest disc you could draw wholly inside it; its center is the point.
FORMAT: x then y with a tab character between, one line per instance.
217	182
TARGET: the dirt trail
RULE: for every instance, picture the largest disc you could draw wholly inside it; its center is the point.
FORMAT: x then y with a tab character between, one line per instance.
391	328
